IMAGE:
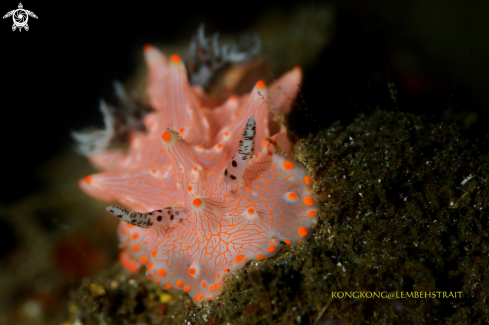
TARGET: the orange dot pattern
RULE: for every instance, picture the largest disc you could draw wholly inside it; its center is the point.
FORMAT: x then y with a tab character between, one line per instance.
302	231
166	136
292	196
197	202
308	200
260	85
218	226
288	165
175	58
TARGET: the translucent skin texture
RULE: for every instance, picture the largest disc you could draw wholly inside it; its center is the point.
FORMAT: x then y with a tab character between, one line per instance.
210	192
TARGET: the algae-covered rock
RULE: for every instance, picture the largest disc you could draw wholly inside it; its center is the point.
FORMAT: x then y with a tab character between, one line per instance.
404	205
117	297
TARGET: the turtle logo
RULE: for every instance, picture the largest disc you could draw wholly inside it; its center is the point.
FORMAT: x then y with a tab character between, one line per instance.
20	17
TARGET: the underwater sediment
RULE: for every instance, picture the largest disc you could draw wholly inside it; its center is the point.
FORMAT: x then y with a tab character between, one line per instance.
404	203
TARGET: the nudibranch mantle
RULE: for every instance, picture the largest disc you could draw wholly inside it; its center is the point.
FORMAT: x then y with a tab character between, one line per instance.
215	195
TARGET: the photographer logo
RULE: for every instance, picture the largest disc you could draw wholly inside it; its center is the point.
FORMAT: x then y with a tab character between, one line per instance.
20	17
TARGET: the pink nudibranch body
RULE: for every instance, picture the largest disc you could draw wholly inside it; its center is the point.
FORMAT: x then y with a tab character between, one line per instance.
212	194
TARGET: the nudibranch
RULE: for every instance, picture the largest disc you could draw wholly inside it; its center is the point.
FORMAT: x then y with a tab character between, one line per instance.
204	191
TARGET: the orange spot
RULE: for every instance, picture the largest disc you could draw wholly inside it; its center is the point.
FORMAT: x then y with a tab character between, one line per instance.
204	284
218	275
191	271
148	47
135	235
233	98
260	85
151	276
297	68
307	179
129	225
144	259
308	200
311	213
196	298
88	179
181	130
161	272
195	169
302	231
157	280
211	288
292	195
271	249
153	170
226	134
270	153
179	283
219	145
135	247
202	296
209	298
186	288
251	211
266	143
168	286
127	263
166	136
197	202
175	58
239	258
154	253
150	265
124	231
200	146
288	165
260	257
288	241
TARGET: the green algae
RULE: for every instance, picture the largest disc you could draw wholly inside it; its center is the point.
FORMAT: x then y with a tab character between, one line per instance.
404	205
